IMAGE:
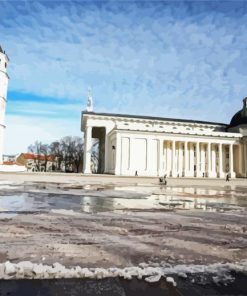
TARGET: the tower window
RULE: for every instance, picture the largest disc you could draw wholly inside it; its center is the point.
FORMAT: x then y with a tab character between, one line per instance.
5	65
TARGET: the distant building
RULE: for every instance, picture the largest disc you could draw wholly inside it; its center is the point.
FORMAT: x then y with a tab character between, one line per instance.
155	146
10	158
37	163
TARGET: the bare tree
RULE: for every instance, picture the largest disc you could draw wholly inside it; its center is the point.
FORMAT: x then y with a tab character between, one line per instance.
68	153
72	151
57	151
44	155
77	148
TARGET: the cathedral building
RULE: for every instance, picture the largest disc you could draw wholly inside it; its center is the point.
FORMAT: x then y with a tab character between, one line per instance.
154	146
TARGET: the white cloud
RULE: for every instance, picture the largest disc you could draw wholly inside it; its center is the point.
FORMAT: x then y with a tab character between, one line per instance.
163	59
23	131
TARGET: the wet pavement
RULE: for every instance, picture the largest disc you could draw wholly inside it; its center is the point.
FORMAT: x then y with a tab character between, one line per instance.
106	225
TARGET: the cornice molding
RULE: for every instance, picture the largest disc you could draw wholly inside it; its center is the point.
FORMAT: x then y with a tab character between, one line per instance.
227	136
149	119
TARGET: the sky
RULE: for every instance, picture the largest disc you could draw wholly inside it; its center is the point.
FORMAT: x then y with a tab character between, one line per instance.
178	59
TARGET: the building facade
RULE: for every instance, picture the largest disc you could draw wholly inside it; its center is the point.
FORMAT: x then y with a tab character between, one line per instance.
154	146
37	163
4	79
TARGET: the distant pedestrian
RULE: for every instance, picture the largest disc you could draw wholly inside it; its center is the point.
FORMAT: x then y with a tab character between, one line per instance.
136	174
228	177
163	180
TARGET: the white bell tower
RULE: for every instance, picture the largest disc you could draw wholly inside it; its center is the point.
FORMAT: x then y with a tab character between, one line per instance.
4	79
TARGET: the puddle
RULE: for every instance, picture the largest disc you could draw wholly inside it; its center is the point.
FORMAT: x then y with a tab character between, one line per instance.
103	199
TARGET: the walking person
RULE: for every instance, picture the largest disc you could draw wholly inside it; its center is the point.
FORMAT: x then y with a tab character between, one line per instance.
165	181
228	177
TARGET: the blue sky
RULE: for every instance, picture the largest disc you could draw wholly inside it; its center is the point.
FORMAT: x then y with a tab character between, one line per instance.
182	59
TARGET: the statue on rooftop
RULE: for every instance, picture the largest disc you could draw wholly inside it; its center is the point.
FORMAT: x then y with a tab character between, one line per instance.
89	100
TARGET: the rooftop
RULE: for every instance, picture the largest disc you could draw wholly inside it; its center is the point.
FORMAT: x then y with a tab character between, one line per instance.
153	118
38	156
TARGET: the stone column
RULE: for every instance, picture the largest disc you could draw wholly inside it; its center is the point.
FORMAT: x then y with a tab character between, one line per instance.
197	159
173	159
118	156
180	159
202	160
221	173
231	168
192	158
165	156
186	159
106	154
161	158
168	158
240	160
223	159
245	159
87	150
213	163
209	159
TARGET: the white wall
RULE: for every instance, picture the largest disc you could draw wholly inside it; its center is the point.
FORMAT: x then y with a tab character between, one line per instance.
153	159
139	155
3	98
125	157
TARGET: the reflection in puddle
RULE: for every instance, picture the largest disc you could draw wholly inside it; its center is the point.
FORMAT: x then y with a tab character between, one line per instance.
153	198
198	204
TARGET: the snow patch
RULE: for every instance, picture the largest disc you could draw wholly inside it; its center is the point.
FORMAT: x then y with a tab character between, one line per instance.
220	272
64	212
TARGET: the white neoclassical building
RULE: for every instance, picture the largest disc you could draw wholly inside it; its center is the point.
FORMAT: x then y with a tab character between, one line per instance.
4	79
154	146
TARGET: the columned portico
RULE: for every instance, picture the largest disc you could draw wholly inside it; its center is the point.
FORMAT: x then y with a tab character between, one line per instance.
153	149
194	159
